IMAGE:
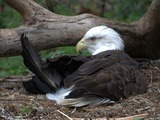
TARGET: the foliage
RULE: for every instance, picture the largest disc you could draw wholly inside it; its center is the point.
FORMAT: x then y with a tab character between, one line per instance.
120	10
127	10
11	66
15	66
138	119
9	18
69	50
25	110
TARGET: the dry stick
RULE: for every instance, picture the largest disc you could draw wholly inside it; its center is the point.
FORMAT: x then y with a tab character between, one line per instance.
74	110
123	118
151	82
15	79
157	69
69	118
132	117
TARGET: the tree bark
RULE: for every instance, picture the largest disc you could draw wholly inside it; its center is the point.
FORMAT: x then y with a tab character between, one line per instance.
47	30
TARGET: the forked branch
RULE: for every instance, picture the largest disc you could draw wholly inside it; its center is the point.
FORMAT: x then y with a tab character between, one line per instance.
47	30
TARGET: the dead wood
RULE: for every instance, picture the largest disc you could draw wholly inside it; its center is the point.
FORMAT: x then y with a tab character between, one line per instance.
47	30
16	78
140	116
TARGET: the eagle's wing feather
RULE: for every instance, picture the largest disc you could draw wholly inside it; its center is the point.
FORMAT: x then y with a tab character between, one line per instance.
50	73
108	78
36	65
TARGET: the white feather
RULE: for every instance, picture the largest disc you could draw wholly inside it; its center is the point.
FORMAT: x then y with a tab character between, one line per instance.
59	97
105	39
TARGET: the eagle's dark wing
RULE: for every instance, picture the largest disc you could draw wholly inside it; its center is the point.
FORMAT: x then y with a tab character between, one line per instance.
50	73
112	74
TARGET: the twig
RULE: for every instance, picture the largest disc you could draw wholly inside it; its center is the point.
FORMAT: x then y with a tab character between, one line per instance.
15	79
123	118
74	110
69	118
156	68
146	108
151	82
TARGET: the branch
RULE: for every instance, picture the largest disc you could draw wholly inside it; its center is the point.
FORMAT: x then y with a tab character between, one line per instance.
30	11
47	30
140	116
150	19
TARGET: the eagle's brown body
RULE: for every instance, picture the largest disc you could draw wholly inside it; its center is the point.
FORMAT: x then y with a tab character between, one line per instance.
110	74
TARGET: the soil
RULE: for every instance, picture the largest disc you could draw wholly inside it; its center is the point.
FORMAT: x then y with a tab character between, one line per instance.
16	103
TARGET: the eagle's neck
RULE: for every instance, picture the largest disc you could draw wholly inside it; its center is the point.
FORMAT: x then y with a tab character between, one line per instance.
104	39
101	49
105	46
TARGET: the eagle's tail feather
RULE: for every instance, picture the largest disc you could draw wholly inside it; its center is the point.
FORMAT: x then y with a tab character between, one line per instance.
31	58
77	102
34	63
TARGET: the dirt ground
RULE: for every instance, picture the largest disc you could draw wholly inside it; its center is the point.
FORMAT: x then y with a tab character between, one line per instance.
16	103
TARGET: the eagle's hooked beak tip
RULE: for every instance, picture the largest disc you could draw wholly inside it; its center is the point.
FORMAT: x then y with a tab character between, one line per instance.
80	46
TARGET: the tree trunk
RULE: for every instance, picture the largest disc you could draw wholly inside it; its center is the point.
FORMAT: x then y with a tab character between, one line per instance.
47	30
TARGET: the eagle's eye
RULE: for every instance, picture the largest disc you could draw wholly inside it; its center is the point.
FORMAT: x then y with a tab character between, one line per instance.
93	38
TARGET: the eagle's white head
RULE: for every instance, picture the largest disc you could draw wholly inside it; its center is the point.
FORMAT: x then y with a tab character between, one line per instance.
99	39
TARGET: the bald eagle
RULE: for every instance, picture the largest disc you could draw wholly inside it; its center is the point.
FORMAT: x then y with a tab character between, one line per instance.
107	75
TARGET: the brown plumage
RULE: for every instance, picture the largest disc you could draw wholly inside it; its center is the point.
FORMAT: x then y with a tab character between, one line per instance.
111	74
76	81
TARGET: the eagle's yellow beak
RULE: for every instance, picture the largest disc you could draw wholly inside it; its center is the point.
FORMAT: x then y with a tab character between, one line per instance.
80	45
